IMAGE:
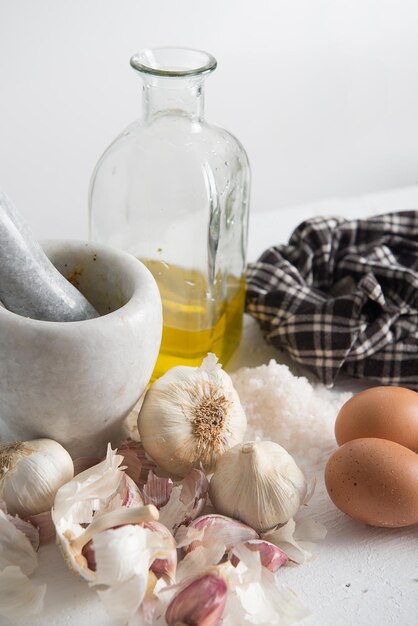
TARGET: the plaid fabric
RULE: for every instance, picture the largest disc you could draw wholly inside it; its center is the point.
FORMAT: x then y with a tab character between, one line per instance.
343	296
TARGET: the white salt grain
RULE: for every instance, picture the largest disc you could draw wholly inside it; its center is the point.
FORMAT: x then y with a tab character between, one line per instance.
289	410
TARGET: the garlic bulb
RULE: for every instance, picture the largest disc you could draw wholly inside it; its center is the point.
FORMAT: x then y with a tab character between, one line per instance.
31	472
258	483
191	415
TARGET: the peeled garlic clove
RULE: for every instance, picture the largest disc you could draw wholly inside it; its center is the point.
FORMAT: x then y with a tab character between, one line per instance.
201	603
31	472
191	415
258	483
272	558
220	530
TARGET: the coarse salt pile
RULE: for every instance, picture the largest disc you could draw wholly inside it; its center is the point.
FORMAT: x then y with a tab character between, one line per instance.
289	410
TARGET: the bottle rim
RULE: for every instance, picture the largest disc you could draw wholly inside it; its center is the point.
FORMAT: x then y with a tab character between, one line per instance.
173	62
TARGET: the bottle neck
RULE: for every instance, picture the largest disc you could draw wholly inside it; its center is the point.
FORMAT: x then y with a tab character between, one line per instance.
175	96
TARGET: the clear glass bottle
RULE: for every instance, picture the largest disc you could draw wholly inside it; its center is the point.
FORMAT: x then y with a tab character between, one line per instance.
173	190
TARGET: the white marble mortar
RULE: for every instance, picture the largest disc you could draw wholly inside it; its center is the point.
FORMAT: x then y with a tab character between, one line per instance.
75	382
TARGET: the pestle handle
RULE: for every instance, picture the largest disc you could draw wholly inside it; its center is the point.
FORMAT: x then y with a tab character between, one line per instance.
29	283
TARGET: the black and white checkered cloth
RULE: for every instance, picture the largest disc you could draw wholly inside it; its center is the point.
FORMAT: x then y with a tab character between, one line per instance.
342	296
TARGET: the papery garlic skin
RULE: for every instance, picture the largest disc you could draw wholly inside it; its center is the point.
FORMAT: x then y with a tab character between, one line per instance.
31	472
258	483
271	556
218	529
191	415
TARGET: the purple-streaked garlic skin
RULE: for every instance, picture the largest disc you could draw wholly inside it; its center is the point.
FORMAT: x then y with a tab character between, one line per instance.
157	490
194	492
88	553
271	557
222	529
163	567
138	463
83	463
201	603
26	527
45	526
130	494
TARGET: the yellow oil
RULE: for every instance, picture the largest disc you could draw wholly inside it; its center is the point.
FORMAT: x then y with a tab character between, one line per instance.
195	321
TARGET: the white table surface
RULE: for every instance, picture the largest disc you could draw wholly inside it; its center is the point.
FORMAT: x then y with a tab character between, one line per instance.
360	576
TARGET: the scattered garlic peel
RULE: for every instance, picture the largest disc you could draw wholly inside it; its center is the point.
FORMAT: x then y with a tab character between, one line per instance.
25	526
123	558
15	547
310	490
222	530
105	521
19	598
157	490
185	535
92	492
138	463
187	500
76	501
271	556
164	563
297	538
44	525
128	494
256	595
199	561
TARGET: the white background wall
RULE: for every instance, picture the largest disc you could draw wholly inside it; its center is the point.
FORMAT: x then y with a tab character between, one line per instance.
323	93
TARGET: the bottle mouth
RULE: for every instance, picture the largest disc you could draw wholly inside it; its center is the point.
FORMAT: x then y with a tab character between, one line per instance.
173	62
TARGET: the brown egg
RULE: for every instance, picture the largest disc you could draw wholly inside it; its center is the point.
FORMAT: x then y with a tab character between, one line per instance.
385	412
375	481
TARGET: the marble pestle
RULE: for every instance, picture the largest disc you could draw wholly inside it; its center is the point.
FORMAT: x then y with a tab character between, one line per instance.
29	284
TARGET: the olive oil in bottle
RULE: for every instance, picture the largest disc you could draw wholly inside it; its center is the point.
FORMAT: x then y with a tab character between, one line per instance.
195	321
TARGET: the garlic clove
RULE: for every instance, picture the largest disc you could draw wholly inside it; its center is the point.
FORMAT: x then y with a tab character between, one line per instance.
218	529
258	483
31	472
191	415
201	603
272	557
